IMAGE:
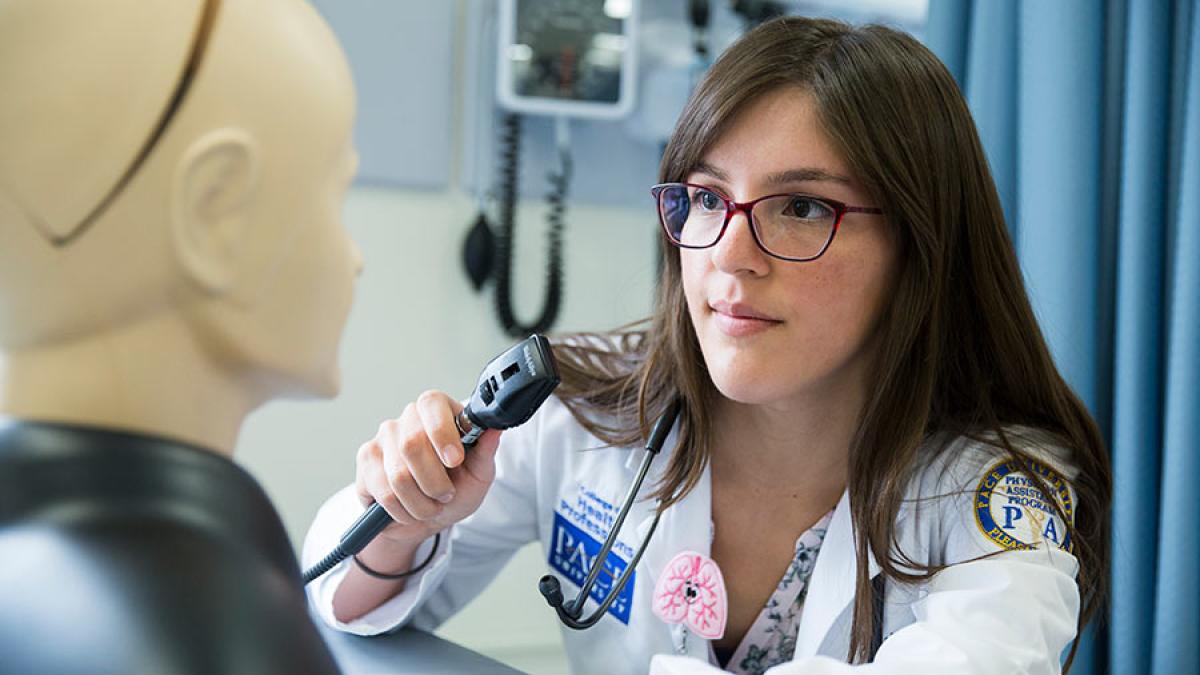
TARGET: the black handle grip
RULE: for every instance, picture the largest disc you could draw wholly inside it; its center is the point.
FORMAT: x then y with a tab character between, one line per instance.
511	387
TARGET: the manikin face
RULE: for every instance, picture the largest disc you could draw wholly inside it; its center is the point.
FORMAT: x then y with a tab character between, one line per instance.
776	332
298	312
306	288
311	293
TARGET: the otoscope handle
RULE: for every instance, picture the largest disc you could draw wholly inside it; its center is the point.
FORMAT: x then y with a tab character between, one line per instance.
368	525
510	388
375	519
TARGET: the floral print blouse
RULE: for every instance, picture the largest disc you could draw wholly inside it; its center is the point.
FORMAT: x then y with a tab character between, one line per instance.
771	639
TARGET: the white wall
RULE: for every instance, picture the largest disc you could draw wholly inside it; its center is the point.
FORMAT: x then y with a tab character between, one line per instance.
418	324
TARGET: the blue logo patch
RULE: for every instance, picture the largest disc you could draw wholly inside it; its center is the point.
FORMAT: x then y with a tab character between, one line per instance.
572	553
1013	512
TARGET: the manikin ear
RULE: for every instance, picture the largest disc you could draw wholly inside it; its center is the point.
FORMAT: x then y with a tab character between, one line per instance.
213	191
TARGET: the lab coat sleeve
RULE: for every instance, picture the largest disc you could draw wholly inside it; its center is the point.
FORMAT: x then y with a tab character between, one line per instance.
471	553
1014	611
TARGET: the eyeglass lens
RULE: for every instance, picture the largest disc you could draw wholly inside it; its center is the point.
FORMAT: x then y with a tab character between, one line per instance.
792	226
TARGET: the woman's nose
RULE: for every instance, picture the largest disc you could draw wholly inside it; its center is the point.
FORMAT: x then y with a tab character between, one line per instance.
738	250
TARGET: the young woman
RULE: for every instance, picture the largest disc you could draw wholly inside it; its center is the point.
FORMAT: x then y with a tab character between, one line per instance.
874	448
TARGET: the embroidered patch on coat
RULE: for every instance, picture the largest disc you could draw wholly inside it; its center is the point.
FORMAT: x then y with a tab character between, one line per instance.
1013	513
573	552
691	591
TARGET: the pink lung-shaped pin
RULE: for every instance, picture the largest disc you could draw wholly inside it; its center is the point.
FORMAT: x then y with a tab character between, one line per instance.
691	591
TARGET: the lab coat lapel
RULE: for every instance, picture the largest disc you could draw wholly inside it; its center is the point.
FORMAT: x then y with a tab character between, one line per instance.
831	587
686	526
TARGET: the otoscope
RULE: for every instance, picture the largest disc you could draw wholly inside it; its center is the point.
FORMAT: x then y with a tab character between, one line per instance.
511	387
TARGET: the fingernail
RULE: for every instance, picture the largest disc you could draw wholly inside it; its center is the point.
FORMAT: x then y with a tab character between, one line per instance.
445	499
448	455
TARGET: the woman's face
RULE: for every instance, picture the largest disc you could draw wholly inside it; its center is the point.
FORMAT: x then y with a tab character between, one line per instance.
774	331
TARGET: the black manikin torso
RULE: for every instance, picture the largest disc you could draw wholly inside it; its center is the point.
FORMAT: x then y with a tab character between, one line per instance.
122	553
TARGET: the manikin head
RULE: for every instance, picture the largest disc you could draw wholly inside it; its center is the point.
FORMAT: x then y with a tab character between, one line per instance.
171	251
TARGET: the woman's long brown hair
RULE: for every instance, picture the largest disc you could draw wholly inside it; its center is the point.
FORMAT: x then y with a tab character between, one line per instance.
960	350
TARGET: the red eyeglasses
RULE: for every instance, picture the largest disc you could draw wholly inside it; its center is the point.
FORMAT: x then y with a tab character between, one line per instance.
795	227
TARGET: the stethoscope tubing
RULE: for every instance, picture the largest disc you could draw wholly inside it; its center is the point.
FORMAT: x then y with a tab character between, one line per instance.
569	612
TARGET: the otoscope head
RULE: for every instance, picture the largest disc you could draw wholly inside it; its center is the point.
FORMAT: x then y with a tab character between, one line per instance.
551	590
513	385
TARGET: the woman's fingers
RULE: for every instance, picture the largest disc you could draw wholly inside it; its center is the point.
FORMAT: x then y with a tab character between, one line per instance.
417	469
407	453
372	484
362	460
437	412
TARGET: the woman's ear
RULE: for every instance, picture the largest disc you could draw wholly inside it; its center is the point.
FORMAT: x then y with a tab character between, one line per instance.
212	194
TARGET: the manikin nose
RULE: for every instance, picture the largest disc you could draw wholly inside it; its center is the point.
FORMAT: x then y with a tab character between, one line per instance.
357	257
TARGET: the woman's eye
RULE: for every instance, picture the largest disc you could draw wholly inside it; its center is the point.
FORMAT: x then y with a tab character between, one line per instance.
709	201
808	208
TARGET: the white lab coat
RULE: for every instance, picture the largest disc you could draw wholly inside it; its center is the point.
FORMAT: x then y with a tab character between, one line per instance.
1013	612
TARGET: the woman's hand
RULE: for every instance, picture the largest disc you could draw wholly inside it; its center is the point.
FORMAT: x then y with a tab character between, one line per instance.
416	468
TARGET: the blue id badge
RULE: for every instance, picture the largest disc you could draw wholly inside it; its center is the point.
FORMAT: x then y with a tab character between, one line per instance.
572	554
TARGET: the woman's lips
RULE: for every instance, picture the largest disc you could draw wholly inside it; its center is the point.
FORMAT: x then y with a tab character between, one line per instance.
737	320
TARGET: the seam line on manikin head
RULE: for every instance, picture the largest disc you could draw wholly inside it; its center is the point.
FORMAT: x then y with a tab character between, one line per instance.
191	66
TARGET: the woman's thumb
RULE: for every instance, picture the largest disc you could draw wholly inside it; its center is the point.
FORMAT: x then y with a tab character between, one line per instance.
481	457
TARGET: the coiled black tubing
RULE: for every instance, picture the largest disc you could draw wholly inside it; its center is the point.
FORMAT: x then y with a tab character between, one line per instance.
510	156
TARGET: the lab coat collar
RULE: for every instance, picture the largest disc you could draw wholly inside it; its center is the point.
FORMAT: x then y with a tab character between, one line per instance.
831	588
685	526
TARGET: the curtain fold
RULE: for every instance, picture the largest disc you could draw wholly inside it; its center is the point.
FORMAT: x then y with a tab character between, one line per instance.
1177	597
1090	114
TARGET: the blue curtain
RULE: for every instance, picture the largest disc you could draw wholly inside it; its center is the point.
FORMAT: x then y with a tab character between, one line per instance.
1090	113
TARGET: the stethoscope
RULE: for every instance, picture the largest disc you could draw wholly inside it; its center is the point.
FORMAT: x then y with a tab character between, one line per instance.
569	612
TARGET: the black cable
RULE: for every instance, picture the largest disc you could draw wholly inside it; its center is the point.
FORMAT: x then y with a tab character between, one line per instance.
337	555
510	144
369	524
699	13
340	553
401	575
755	12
